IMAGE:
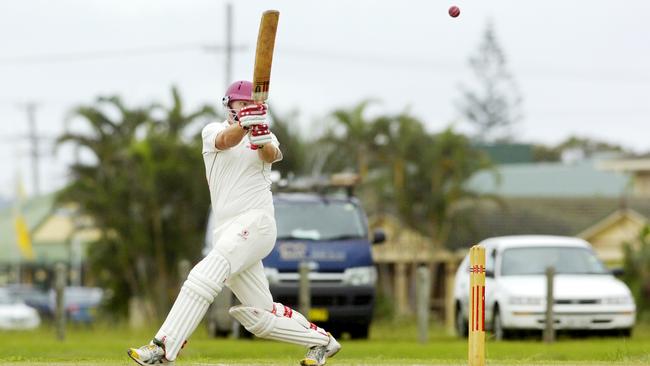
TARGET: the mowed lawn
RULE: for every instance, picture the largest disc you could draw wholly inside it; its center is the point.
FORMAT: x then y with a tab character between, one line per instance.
391	343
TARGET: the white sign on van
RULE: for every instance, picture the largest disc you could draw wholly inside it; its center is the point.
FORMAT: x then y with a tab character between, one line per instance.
292	251
327	256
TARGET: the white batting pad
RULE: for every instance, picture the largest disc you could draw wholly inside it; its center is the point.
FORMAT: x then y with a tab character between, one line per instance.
282	324
203	284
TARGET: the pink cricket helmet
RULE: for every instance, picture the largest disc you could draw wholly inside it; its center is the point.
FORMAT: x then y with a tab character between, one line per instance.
239	90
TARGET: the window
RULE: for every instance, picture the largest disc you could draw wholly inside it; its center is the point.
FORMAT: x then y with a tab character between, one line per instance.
535	260
321	220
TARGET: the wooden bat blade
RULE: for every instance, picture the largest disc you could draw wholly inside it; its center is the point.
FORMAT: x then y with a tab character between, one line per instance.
264	55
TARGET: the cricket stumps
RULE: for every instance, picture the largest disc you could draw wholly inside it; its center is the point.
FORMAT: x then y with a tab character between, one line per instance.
476	316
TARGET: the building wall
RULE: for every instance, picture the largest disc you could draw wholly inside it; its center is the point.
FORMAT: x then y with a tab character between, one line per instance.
608	243
642	184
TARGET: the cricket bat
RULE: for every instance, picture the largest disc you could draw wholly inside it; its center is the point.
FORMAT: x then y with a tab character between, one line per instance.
264	55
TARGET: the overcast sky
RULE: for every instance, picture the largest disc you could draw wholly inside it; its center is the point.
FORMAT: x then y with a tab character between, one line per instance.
582	66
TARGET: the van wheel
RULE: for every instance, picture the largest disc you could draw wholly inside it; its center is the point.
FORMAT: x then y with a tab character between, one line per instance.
218	321
214	330
360	331
461	323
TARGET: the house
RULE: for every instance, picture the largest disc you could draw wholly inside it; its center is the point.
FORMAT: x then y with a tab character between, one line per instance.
638	168
607	235
57	235
398	259
598	200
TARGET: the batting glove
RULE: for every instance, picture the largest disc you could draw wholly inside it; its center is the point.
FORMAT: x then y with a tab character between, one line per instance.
252	115
259	136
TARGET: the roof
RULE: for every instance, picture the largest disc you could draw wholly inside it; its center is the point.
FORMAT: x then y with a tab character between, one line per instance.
612	219
536	240
503	153
581	179
626	165
537	216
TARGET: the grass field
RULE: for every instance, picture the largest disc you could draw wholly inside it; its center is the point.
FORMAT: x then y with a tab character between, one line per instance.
390	344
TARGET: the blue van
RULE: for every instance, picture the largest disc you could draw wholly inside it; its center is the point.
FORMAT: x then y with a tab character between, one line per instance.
330	232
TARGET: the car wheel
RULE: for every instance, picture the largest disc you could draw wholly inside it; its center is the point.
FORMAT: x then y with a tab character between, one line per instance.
500	333
461	323
625	332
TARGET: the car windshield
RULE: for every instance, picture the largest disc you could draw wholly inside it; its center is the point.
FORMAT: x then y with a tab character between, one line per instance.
322	220
535	260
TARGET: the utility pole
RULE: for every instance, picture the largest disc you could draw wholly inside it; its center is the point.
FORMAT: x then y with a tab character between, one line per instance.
228	77
228	48
33	141
32	135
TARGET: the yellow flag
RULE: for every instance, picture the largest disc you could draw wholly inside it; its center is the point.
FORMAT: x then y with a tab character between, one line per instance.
23	238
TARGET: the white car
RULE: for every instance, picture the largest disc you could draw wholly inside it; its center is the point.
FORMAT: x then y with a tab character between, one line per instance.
14	314
586	295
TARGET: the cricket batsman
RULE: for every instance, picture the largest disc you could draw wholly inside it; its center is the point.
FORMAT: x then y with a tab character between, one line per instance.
238	154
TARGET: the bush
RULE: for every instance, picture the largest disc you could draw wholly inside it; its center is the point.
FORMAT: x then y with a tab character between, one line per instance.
637	272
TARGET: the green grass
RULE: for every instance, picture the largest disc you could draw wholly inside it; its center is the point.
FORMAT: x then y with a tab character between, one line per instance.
391	343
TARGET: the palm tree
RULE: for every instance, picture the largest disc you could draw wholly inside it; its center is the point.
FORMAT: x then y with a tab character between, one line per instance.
416	174
447	166
138	193
103	188
398	144
175	120
351	136
291	143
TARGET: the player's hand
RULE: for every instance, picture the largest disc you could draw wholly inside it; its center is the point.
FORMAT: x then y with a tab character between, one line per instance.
259	135
252	115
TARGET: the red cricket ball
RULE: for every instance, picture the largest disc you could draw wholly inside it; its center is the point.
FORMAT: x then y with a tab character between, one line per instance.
454	11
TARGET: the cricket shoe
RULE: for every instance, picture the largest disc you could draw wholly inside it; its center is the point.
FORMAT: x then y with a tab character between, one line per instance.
318	355
151	354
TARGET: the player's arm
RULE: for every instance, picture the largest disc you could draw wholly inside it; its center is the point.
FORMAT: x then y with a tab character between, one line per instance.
247	117
269	153
230	137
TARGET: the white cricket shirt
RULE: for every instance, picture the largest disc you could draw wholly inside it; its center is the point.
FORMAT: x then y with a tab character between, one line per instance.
238	179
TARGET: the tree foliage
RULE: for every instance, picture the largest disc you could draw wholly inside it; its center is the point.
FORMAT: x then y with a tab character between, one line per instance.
582	146
493	107
347	143
144	190
637	271
292	144
410	172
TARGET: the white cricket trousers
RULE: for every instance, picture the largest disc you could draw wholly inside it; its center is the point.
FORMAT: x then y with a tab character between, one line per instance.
244	243
240	244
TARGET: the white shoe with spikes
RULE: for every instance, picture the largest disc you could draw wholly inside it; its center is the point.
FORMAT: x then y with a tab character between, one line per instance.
318	355
150	354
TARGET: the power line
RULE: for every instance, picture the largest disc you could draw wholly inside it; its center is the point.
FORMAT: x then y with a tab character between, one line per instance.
107	54
17	138
349	58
